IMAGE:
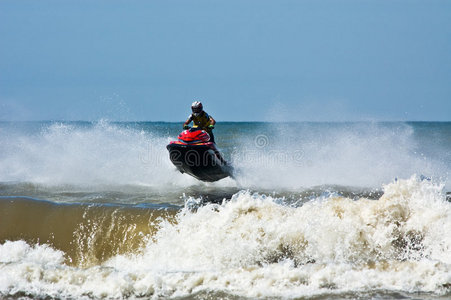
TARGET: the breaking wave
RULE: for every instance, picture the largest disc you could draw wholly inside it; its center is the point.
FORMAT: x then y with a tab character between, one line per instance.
255	245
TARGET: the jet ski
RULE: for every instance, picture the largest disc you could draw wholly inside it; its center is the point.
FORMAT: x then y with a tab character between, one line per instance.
194	154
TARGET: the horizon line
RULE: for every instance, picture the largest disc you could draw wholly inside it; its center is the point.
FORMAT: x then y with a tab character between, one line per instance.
181	121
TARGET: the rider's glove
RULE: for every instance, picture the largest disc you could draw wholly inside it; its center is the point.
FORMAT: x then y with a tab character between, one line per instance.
211	126
185	127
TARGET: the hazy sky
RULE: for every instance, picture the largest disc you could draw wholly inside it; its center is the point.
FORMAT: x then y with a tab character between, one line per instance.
259	60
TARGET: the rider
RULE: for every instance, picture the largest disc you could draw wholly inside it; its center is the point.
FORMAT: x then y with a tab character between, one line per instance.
201	120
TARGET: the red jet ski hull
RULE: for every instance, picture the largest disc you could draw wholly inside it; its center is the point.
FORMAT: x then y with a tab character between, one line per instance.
195	155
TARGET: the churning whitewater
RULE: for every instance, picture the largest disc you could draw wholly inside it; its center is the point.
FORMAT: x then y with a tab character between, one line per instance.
255	245
97	210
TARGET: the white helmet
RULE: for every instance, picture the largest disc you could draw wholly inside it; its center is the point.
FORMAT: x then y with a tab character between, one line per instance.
197	108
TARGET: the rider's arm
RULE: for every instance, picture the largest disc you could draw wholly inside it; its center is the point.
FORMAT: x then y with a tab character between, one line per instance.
188	121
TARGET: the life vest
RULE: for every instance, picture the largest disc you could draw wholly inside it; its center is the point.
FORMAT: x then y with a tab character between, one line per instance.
202	121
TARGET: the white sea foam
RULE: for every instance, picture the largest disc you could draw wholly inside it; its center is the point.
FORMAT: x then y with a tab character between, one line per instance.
272	157
360	154
94	155
255	245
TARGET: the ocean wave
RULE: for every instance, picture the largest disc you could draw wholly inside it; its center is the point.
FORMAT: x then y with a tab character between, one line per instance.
291	156
91	155
264	156
259	246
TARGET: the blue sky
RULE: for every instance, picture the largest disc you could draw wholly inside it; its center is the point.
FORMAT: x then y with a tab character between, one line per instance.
259	60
